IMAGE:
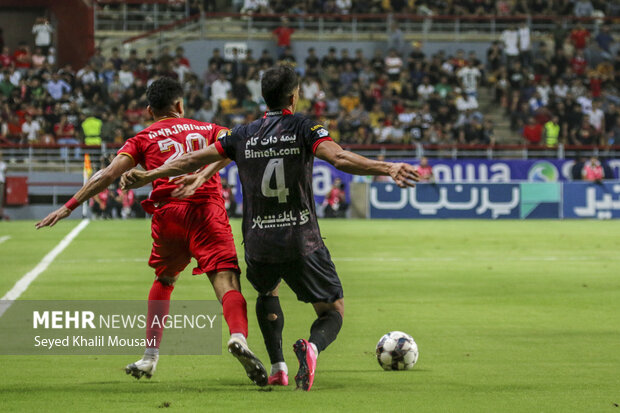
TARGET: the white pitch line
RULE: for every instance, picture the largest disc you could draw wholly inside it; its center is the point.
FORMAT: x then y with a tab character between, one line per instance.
23	283
5	238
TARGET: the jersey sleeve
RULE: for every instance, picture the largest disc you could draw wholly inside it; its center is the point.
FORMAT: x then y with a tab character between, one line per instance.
314	134
218	132
227	143
132	149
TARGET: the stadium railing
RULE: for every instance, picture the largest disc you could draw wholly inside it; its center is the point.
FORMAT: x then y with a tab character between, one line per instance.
63	158
347	27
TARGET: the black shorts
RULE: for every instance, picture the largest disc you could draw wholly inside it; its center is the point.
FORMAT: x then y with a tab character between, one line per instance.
313	277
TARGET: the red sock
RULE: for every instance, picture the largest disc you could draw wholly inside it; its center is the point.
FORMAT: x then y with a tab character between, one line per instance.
235	312
159	305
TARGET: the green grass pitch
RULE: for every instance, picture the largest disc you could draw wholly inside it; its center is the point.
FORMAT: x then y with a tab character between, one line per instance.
509	316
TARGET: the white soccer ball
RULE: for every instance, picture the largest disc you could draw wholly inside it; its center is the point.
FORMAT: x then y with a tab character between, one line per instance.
397	351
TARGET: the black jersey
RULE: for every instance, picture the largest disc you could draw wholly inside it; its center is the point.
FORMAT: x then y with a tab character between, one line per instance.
274	156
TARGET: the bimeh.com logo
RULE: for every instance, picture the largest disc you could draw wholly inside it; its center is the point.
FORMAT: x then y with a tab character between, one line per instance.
543	171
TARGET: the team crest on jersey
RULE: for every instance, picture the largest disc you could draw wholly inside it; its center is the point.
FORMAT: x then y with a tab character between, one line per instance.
322	133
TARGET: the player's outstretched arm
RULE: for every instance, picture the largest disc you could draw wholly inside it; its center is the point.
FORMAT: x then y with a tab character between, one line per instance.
181	166
190	183
97	183
402	173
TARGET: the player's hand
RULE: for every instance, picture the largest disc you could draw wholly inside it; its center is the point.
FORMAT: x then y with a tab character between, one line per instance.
134	178
404	174
187	186
53	217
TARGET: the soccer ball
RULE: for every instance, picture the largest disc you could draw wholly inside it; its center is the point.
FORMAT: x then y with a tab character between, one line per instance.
397	351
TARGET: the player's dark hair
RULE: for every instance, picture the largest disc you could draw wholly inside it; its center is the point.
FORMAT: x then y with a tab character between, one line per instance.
277	85
162	94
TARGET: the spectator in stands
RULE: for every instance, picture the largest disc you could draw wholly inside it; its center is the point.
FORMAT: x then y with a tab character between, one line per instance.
100	205
468	77
255	6
6	59
525	45
425	170
396	39
219	89
393	65
283	35
91	127
336	201
532	132
42	31
57	87
593	171
21	58
229	198
127	201
551	132
583	8
579	36
31	130
510	38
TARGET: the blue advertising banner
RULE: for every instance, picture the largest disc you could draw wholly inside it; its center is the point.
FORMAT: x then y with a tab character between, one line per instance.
465	172
495	201
445	201
486	170
587	200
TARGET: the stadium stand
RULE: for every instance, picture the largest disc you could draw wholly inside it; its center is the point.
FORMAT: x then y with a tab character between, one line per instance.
561	88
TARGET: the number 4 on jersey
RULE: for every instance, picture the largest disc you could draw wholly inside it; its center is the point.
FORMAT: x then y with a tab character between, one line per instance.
276	166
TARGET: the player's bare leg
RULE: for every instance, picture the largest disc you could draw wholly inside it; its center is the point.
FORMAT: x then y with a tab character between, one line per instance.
158	306
228	292
322	333
271	321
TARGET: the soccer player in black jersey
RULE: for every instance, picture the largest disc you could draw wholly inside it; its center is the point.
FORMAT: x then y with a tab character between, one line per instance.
275	156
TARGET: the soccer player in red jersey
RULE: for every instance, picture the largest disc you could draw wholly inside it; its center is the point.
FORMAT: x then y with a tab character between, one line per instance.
275	156
181	228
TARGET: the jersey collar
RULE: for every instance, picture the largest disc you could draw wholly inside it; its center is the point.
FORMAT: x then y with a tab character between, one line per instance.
282	112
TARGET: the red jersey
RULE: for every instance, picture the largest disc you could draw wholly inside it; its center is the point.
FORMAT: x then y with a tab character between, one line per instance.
165	141
532	133
284	35
426	173
580	38
579	65
5	60
593	172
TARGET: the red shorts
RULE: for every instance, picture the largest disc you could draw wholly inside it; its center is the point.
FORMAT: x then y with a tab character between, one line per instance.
182	230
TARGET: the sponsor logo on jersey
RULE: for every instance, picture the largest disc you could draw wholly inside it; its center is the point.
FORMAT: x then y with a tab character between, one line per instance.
315	127
322	133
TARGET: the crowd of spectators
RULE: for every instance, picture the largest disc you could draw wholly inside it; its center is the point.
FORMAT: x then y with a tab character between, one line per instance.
391	98
562	89
565	89
578	8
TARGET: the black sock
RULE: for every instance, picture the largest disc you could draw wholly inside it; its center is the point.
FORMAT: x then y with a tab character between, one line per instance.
266	308
325	329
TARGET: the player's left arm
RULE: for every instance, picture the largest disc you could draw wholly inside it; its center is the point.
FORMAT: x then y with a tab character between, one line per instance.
97	183
402	173
183	165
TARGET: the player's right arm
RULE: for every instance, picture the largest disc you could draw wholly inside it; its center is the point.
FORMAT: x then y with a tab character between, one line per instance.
402	173
97	183
190	183
183	165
